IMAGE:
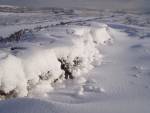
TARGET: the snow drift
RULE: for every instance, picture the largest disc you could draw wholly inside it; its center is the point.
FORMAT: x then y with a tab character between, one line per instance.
40	58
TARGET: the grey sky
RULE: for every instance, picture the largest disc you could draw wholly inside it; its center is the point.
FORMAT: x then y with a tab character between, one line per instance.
93	4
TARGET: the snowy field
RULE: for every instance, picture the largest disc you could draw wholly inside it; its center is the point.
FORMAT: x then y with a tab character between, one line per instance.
74	61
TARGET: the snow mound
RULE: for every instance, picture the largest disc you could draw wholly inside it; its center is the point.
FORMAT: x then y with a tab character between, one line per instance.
8	6
40	58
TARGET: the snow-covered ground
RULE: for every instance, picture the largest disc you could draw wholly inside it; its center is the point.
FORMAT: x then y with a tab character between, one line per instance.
74	61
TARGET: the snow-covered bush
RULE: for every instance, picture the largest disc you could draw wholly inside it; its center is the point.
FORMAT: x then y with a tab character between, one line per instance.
49	54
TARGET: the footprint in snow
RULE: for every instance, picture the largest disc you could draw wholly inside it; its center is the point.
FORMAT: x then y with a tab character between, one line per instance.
136	70
136	75
147	87
136	46
92	86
